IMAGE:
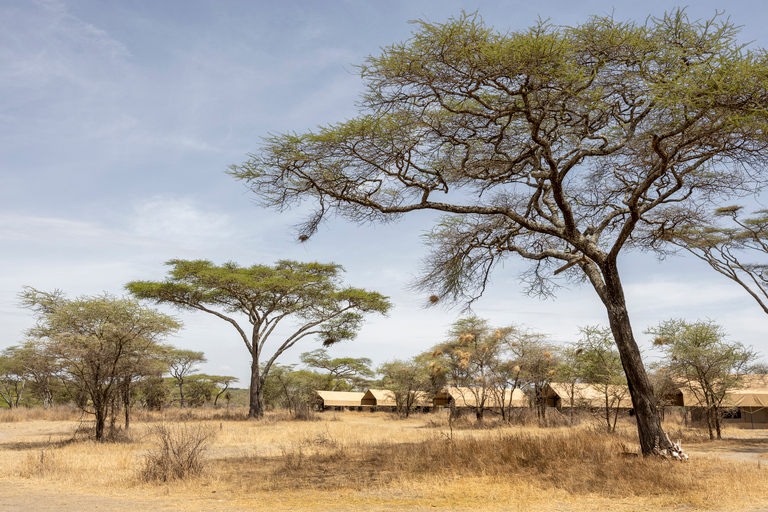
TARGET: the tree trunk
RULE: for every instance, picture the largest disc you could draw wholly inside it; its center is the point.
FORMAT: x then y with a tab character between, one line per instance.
101	419
256	409
127	403
718	418
181	393
640	389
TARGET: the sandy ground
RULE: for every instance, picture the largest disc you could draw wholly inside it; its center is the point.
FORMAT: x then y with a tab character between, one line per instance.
36	495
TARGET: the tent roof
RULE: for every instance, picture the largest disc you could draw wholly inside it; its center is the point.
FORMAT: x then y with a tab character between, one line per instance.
590	395
386	398
383	397
752	393
341	398
467	397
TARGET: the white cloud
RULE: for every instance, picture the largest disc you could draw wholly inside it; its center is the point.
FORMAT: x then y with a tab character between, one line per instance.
179	223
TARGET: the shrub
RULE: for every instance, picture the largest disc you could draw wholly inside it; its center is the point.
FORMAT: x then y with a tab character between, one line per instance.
178	452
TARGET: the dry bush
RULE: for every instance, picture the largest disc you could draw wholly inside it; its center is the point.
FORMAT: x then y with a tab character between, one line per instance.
178	452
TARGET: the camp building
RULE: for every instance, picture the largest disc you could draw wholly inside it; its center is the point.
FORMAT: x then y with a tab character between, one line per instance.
384	400
338	400
590	396
462	397
748	403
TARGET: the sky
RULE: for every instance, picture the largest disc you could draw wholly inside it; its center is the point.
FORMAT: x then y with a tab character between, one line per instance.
119	119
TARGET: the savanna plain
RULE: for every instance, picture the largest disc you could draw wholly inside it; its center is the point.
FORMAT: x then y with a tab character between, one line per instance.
366	461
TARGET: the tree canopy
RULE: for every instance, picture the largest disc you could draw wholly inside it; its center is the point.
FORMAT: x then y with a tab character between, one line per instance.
562	145
99	342
702	359
310	294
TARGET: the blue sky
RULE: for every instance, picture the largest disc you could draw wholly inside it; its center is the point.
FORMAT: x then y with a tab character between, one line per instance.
118	120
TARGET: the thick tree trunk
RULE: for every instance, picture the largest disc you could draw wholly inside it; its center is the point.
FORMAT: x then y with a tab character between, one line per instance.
101	419
256	409
648	423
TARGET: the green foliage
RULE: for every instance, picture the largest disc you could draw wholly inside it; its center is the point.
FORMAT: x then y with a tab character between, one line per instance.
563	145
727	246
405	379
703	360
341	370
100	343
596	361
309	293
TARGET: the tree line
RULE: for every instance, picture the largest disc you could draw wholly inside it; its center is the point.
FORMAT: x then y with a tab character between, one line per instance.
105	354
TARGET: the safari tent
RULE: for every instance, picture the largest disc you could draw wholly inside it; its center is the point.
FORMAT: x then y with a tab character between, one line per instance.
338	400
384	399
748	403
564	395
462	397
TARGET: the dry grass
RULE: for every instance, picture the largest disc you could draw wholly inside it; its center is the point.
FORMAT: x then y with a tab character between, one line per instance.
364	460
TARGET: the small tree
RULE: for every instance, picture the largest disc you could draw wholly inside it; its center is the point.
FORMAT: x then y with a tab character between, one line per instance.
405	379
96	341
600	365
339	369
12	377
535	362
181	363
705	361
41	371
309	293
469	356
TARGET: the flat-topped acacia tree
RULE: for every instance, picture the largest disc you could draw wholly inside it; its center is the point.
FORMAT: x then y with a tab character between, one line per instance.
566	146
309	294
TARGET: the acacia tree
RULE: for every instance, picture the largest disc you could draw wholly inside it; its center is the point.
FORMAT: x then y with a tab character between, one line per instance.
566	146
599	364
709	365
181	363
470	356
96	342
339	368
12	377
309	293
405	379
536	361
39	369
726	248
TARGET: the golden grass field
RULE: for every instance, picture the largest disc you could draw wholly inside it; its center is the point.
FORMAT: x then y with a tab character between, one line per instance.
373	461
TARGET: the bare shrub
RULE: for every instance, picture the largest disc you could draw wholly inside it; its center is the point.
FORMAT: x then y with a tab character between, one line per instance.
39	463
292	457
178	452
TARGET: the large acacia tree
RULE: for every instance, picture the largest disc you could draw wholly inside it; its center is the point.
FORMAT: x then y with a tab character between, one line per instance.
310	294
566	146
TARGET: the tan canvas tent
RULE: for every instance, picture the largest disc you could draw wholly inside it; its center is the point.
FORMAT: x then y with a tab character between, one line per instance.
338	399
750	402
462	397
586	395
384	398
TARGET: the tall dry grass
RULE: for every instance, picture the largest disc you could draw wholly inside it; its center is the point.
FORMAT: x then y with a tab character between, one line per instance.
25	414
